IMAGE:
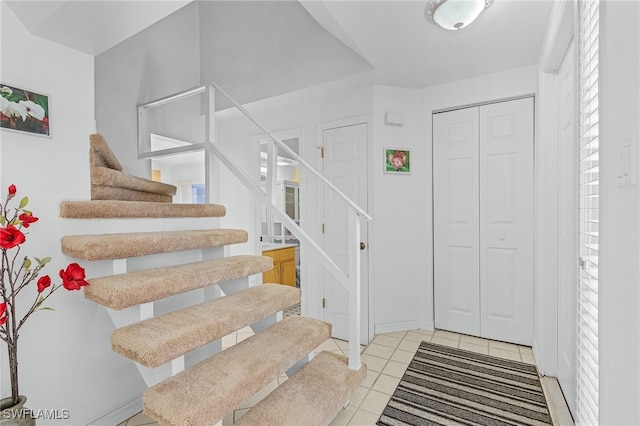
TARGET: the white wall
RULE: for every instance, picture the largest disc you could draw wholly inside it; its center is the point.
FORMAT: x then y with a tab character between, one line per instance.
401	227
619	250
65	356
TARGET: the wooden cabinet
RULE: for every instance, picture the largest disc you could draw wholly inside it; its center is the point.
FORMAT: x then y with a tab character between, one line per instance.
284	266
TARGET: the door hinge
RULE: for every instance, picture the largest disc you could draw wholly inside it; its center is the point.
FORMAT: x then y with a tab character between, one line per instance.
323	228
324	303
321	148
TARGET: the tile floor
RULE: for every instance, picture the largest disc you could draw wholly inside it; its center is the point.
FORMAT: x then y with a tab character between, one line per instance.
387	357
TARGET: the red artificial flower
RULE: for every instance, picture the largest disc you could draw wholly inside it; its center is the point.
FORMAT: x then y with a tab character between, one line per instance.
3	313
12	189
43	283
73	277
27	219
10	237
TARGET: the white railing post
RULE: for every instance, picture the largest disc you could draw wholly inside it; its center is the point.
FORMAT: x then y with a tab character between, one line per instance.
354	290
210	136
272	175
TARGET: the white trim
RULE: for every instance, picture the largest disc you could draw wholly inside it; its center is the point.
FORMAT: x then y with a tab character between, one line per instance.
392	327
120	414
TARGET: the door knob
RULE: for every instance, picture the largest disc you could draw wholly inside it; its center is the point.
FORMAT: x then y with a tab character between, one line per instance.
362	245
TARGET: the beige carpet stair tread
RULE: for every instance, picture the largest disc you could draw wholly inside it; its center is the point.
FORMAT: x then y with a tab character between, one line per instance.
158	340
102	192
100	154
121	246
312	397
208	391
105	176
133	288
106	209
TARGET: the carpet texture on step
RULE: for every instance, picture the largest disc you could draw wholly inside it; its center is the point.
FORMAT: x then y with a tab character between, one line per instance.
101	192
122	246
108	209
100	154
124	290
444	385
208	391
312	397
154	341
104	177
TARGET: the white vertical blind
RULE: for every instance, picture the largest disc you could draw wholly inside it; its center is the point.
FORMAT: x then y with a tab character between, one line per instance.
587	374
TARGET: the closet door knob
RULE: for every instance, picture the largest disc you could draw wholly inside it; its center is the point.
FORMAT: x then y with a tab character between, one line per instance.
362	245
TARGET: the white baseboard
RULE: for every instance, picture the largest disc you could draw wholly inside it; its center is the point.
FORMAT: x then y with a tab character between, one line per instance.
402	326
120	414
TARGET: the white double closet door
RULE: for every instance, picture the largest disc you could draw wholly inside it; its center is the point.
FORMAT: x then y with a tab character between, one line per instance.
483	220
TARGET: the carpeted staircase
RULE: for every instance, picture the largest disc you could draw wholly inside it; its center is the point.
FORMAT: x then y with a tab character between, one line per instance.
203	393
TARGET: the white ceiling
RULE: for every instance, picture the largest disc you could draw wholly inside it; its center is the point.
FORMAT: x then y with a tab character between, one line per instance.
393	36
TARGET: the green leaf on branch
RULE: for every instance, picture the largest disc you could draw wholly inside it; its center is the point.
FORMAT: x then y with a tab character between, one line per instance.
43	261
27	263
24	201
46	308
3	221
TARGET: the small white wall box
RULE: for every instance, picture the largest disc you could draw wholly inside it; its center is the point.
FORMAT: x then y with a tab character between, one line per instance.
393	118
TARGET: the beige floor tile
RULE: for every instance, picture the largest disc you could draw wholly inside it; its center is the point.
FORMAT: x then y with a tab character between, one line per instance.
447	335
370	379
417	337
528	359
403	357
504	346
363	418
229	340
474	340
396	334
328	345
385	340
246	329
375	402
502	353
374	363
480	349
228	420
379	351
282	379
140	419
239	413
342	344
242	337
358	396
386	384
408	345
395	369
343	417
444	342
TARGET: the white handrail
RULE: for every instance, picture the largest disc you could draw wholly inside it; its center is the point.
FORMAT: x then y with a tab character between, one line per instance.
295	155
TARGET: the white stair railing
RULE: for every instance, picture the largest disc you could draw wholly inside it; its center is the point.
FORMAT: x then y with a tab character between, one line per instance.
351	280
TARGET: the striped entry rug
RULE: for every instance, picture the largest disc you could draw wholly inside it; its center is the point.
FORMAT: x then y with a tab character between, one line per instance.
448	386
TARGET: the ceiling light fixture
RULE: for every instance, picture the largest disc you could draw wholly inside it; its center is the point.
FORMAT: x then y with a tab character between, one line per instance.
455	14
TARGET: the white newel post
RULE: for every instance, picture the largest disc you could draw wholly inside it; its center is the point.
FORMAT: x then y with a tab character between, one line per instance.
354	290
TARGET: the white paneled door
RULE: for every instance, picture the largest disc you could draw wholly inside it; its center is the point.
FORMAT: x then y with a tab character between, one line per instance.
483	220
344	165
456	221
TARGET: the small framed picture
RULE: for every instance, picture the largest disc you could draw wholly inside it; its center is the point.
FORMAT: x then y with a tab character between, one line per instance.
397	161
23	110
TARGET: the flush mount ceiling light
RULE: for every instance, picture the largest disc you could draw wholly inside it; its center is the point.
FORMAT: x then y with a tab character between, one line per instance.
455	14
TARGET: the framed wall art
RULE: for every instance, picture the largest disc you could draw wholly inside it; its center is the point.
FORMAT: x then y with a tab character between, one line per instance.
397	161
23	110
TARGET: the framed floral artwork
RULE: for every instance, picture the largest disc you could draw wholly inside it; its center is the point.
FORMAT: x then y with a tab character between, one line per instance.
23	110
397	161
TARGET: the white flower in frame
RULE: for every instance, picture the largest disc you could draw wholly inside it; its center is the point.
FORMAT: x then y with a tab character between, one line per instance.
33	109
12	109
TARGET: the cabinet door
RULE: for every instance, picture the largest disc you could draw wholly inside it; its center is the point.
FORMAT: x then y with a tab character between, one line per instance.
288	273
272	276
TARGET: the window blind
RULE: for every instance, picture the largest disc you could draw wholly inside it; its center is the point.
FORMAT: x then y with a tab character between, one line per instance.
587	412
